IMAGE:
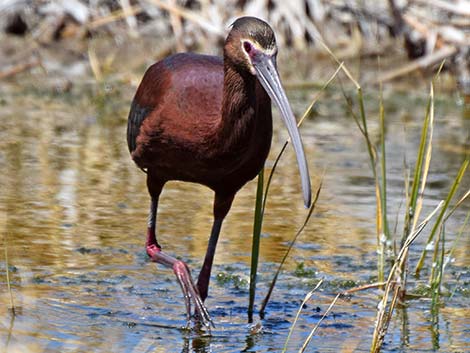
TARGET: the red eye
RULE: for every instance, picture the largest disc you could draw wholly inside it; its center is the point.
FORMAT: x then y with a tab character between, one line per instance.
248	47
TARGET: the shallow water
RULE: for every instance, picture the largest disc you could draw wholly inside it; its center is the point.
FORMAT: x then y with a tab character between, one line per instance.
73	212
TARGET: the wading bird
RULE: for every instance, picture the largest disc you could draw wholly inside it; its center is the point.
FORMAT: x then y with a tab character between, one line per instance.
207	120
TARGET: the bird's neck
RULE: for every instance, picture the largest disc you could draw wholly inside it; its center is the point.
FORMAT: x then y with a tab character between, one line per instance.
243	106
239	94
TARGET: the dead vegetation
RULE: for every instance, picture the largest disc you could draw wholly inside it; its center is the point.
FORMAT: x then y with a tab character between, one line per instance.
428	31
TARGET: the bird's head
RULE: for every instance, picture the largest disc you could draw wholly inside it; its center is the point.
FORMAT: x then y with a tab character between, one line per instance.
251	48
250	42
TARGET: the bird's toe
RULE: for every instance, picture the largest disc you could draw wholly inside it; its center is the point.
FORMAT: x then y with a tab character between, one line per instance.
191	295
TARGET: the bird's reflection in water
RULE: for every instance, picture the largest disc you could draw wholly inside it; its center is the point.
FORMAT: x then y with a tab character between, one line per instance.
196	344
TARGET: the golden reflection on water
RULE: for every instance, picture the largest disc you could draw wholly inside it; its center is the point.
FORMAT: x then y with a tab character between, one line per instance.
68	178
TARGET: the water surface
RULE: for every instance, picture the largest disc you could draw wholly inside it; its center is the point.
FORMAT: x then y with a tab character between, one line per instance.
73	213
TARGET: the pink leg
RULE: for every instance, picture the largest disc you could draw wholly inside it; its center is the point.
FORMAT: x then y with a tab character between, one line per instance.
180	269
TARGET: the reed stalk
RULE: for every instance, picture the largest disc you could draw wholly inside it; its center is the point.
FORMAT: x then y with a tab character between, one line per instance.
383	170
421	169
257	225
380	193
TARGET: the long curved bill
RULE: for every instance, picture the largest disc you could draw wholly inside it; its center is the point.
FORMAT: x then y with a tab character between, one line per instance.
265	67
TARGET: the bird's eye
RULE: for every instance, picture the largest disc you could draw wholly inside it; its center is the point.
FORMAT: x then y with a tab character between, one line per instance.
248	47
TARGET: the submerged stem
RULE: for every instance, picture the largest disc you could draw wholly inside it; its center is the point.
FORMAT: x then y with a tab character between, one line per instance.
257	224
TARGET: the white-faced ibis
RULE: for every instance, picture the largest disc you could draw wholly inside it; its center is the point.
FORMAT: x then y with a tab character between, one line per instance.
207	120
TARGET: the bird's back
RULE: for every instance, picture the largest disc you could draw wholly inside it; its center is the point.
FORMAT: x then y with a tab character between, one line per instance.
177	106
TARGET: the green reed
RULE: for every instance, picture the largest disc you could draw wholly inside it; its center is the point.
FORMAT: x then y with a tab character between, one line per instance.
439	222
438	231
382	231
257	225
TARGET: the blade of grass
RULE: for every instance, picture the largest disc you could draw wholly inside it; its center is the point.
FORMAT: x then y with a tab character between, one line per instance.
461	230
436	226
309	338
413	193
454	246
306	299
361	122
414	204
387	241
436	272
343	67
95	64
383	233
273	282
10	334
420	174
382	229
257	225
457	205
438	263
383	168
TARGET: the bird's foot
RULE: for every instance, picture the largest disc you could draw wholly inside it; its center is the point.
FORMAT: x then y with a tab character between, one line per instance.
190	291
191	295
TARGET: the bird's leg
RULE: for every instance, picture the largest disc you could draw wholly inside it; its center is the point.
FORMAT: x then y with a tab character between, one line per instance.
222	204
205	274
181	270
151	244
